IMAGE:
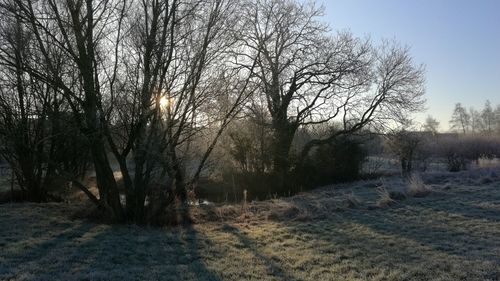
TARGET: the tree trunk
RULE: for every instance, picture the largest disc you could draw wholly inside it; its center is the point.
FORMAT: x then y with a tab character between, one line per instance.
180	192
106	183
284	133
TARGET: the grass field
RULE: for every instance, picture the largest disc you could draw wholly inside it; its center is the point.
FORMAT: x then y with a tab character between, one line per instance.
333	233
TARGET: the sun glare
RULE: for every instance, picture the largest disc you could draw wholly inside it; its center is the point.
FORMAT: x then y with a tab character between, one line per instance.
164	102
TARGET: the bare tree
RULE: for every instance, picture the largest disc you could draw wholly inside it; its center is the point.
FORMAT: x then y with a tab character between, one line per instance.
476	122
309	77
36	135
431	125
460	120
488	117
406	145
74	31
185	88
497	119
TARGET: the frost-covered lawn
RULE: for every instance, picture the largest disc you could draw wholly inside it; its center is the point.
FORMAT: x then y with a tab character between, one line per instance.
452	234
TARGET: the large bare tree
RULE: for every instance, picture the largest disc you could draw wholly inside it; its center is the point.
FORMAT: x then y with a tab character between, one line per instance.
310	77
179	84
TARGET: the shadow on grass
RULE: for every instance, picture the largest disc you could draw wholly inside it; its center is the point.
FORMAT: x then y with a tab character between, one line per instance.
273	269
100	252
464	236
373	245
462	204
146	254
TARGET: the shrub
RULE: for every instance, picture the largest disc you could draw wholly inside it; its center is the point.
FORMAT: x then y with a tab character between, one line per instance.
413	149
416	187
456	162
384	199
405	145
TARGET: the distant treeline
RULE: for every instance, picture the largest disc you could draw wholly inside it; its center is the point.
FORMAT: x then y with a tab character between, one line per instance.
486	121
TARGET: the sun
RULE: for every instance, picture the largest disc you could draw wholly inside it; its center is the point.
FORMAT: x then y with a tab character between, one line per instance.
164	102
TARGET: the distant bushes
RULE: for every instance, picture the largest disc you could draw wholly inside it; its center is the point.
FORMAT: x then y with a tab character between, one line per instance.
459	151
416	150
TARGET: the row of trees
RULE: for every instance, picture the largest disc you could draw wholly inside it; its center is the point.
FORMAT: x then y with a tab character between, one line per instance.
154	84
473	121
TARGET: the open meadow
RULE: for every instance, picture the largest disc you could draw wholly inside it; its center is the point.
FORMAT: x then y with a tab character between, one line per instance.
365	230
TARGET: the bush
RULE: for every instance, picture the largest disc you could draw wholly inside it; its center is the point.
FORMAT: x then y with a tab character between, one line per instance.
456	162
339	161
384	199
413	149
416	187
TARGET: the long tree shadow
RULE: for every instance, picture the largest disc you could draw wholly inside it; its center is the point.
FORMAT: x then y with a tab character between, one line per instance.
467	210
34	251
463	204
145	254
273	268
101	252
454	240
378	241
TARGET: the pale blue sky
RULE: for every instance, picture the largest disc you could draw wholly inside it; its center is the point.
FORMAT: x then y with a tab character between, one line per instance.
458	41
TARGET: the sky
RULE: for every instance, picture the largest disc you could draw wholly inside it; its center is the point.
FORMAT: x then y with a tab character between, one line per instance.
458	41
